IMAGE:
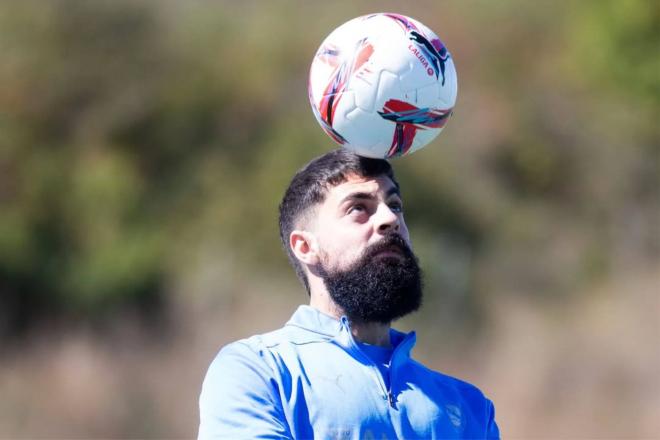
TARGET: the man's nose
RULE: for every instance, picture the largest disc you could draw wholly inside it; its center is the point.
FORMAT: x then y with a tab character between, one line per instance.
387	220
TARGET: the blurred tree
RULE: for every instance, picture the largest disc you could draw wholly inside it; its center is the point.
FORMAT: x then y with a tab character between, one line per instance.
135	135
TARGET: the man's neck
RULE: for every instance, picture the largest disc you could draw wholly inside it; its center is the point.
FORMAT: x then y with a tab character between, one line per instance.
373	333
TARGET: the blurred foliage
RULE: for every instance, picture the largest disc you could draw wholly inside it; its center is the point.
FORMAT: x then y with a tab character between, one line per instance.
137	135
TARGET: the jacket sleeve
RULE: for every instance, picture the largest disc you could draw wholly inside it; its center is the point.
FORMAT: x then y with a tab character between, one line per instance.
240	398
493	431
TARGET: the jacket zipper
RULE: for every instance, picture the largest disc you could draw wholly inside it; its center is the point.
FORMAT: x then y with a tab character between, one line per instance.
374	368
390	398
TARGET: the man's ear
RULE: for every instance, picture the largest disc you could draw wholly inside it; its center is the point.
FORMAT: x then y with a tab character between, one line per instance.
304	246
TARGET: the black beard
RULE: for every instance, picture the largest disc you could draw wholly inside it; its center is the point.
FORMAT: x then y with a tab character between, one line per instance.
379	289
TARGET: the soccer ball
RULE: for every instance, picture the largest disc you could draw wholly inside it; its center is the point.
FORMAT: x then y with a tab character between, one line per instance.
382	85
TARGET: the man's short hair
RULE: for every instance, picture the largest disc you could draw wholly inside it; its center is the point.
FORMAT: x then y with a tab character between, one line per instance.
310	185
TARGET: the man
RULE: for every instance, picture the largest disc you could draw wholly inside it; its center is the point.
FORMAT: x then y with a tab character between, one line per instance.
337	369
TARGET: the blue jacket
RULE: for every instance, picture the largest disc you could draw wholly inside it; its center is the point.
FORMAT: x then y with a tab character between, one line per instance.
310	379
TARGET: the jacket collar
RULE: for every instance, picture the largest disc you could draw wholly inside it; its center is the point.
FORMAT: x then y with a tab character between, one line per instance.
311	319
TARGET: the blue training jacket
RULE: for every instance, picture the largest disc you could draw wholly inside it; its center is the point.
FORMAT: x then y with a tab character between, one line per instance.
310	379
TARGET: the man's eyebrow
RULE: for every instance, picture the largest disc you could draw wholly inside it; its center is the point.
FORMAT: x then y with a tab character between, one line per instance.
357	196
392	191
369	196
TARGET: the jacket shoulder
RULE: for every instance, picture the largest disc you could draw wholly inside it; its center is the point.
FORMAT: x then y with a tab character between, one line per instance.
260	349
289	334
449	382
457	394
238	379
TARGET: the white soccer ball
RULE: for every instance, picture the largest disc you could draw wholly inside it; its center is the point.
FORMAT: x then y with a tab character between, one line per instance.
382	85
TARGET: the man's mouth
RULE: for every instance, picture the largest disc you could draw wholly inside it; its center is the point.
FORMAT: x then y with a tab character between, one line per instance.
391	252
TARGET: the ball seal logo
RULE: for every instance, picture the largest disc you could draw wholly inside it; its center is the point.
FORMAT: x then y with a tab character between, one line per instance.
434	49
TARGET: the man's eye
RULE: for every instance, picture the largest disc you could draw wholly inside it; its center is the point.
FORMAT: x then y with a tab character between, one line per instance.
396	207
356	208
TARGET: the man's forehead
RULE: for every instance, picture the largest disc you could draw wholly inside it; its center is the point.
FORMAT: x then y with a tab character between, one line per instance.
355	183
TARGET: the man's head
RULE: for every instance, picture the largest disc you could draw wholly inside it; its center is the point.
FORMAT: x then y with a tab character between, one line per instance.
341	220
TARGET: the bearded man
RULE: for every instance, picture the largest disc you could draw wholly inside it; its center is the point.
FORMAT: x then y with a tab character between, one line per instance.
337	369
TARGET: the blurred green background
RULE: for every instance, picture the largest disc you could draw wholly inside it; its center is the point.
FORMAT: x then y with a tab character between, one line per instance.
144	148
